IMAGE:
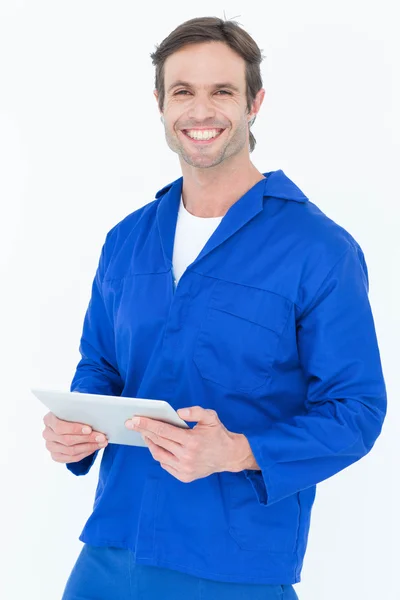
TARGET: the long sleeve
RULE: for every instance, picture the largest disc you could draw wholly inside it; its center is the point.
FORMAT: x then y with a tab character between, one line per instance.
97	370
346	394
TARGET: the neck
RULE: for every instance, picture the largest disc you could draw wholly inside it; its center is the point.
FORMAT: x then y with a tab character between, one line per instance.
211	192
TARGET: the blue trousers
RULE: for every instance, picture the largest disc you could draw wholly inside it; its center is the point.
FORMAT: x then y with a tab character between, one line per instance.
111	574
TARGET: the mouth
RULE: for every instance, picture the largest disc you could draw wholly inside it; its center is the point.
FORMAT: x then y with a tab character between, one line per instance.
212	135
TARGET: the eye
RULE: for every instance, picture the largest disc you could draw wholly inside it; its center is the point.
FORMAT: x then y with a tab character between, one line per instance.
180	92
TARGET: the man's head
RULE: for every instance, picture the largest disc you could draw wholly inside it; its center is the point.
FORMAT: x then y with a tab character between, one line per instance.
208	78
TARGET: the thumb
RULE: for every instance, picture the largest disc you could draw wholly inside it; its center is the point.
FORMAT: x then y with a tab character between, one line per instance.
199	414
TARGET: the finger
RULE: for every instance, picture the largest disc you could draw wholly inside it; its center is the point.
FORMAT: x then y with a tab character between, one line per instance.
62	427
175	472
64	458
207	416
55	447
162	455
71	440
171	447
165	430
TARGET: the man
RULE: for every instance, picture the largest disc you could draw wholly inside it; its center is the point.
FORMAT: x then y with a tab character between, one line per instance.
233	296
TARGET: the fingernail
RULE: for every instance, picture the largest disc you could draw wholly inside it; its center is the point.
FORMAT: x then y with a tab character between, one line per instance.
86	429
100	438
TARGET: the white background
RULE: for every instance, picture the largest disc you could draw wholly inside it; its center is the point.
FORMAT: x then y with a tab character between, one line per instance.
82	146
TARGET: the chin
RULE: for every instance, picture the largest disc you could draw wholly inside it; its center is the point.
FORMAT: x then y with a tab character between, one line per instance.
205	163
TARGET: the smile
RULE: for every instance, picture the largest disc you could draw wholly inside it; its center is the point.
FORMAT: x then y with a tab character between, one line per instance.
202	136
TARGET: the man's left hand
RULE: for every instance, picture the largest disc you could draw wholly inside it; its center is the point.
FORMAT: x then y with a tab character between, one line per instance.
190	454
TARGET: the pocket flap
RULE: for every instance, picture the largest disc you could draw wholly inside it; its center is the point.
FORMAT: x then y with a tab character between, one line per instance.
262	307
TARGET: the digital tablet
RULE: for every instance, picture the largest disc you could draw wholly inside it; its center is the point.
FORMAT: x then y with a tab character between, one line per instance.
108	414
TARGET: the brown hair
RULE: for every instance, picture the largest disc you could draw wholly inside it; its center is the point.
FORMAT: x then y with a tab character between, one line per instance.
212	29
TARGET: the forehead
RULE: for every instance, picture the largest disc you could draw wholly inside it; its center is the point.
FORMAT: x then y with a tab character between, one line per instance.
205	64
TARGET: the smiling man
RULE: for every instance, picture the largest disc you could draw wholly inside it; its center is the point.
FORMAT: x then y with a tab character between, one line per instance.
232	296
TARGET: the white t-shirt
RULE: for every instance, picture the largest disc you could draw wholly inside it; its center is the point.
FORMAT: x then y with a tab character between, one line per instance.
191	235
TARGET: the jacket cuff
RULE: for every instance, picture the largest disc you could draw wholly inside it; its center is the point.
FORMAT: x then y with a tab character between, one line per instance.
257	478
83	466
258	483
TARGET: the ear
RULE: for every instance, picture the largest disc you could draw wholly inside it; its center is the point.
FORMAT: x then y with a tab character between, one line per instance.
258	100
156	95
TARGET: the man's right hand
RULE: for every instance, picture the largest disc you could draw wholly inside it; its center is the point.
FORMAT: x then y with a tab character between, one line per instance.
66	441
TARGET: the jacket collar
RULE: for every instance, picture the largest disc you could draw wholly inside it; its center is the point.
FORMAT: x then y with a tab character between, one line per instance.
275	185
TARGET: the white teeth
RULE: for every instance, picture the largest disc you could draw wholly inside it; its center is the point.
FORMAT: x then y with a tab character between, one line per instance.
203	135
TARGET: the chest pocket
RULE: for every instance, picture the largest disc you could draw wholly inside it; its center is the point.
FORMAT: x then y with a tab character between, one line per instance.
239	335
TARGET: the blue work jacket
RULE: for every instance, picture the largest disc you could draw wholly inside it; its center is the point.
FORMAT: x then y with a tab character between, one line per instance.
271	327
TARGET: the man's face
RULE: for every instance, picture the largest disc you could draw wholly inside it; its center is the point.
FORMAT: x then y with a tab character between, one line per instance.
205	96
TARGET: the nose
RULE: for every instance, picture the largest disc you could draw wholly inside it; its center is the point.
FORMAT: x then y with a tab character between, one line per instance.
201	109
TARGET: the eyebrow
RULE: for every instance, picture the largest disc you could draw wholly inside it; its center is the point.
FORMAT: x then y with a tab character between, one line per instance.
227	85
